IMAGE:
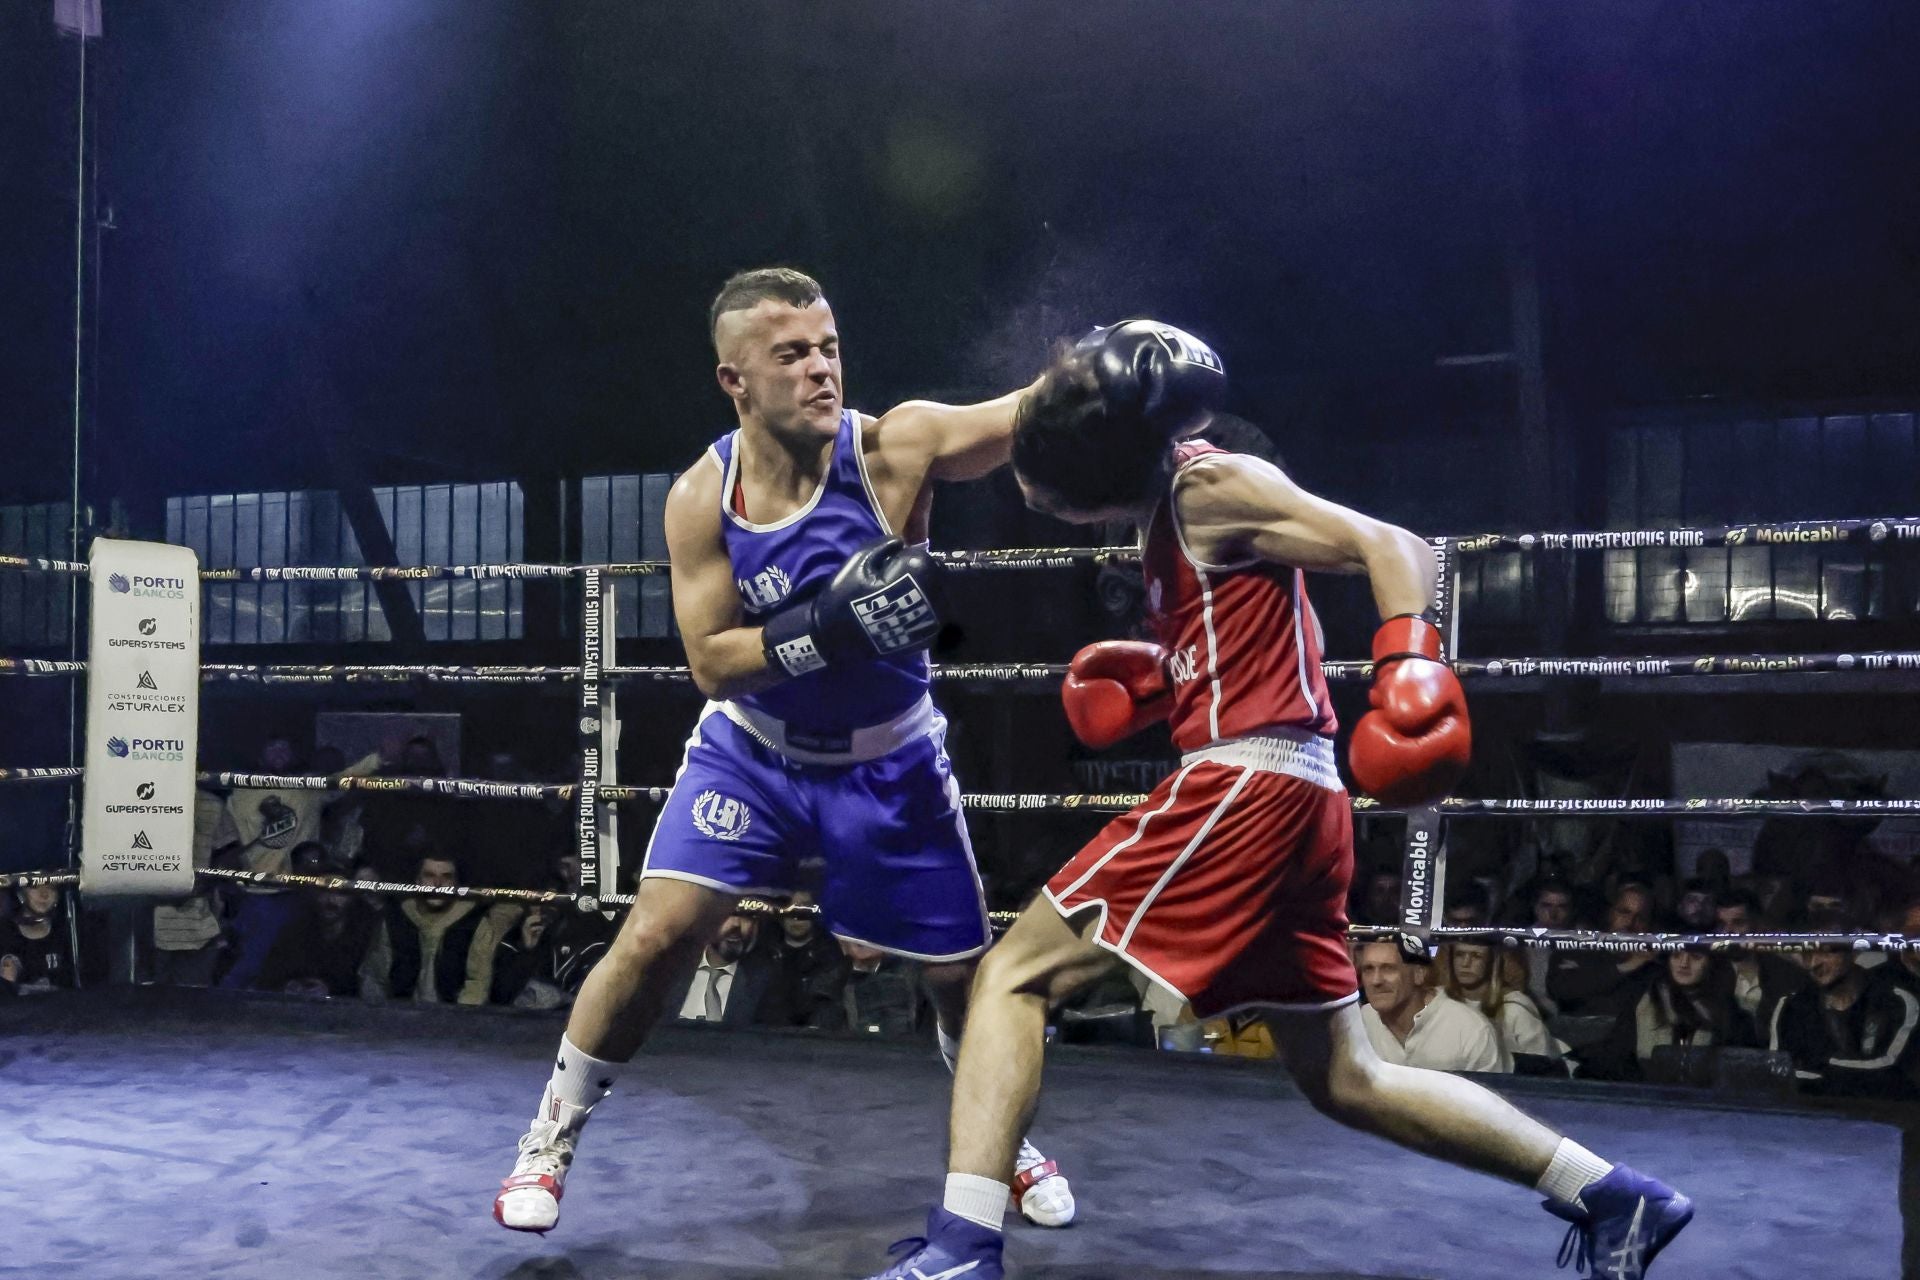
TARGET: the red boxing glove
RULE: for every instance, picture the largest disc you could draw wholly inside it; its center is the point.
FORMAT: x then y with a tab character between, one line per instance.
1415	743
1114	689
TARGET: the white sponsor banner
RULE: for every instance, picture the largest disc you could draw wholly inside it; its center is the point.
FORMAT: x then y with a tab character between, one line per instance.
143	719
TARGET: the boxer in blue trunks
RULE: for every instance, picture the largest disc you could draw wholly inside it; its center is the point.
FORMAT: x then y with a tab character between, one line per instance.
802	587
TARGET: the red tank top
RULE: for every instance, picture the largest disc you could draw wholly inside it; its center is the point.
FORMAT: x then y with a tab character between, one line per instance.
1244	641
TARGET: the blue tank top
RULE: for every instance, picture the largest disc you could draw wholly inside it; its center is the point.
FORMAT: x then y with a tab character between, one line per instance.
794	557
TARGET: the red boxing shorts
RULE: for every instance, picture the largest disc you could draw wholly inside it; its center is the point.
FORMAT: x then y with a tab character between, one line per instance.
1229	884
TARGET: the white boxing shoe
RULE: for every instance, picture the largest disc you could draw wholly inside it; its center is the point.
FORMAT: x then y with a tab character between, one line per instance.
1040	1190
529	1198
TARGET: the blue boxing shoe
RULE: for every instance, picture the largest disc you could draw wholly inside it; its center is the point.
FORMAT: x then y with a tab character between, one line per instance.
952	1249
1630	1218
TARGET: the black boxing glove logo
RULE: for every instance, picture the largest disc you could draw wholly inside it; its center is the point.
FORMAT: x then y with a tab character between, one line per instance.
897	617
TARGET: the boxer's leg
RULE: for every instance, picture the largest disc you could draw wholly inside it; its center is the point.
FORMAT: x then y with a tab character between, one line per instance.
658	945
724	831
1041	961
1328	1054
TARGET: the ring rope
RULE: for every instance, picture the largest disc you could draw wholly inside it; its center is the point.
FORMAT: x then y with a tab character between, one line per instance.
1005	802
1491	935
1698	664
1791	532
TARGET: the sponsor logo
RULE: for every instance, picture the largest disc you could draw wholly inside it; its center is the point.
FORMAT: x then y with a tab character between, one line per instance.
145	587
1808	533
173	645
152	749
1417	895
721	817
144	791
1184	664
278	822
140	841
765	589
589	724
1189	349
146	681
897	617
149	625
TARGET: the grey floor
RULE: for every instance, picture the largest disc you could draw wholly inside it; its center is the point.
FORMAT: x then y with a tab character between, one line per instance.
194	1135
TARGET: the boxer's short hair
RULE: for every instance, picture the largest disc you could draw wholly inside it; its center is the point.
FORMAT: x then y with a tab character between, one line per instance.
745	290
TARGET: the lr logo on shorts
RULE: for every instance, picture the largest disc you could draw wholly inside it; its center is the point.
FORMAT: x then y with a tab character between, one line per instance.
721	817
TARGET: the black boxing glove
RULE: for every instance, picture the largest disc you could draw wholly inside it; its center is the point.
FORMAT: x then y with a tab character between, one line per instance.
1164	375
880	603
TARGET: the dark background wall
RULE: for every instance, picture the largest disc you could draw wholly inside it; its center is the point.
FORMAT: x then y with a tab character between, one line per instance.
465	240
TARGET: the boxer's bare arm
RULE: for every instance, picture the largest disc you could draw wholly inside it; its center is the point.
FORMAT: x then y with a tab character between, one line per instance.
921	440
1233	507
724	650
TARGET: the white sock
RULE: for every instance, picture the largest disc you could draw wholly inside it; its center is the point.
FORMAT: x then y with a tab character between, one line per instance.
949	1047
976	1199
1572	1170
579	1079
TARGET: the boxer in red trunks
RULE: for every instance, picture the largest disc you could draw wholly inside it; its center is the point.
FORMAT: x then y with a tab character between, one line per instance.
1229	884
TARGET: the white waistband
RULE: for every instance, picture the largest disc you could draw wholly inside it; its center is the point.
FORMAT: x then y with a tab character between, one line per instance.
1276	749
850	746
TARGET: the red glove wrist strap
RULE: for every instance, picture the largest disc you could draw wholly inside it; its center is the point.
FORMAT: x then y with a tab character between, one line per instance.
1406	635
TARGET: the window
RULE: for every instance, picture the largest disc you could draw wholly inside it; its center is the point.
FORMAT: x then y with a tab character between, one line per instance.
1664	473
623	518
429	525
36	608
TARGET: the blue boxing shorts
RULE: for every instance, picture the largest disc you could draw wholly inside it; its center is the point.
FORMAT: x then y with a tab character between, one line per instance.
899	873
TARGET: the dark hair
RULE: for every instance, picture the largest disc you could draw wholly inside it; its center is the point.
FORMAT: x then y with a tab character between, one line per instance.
1739	898
1552	884
745	290
1066	443
441	855
1471	894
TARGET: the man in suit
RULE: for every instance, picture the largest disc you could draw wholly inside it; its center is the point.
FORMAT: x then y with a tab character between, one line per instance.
732	978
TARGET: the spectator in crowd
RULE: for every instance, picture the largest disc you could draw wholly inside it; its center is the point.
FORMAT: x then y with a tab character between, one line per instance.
340	829
1696	906
1716	869
433	948
33	944
1609	984
1469	906
1907	969
1379	897
188	934
545	956
809	973
1552	909
882	996
1760	980
732	978
1849	1033
401	827
321	952
258	832
1736	911
1414	1023
1690	1002
1494	983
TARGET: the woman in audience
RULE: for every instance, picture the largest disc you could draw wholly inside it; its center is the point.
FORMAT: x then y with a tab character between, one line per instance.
1496	984
1690	1003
